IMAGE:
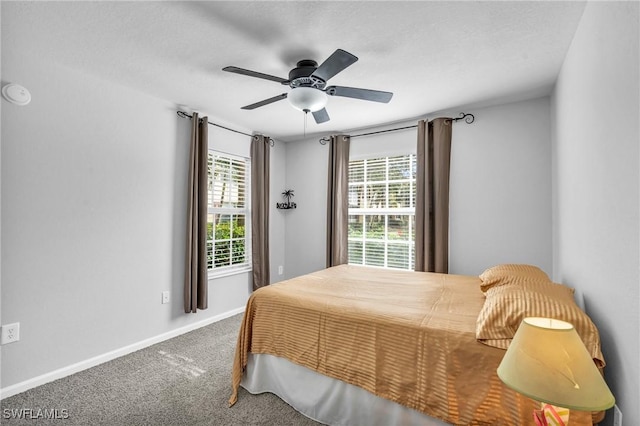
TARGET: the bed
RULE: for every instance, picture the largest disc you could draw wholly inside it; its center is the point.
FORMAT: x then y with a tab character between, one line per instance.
359	345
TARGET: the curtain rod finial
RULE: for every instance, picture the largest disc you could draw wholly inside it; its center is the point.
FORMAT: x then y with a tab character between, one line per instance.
468	118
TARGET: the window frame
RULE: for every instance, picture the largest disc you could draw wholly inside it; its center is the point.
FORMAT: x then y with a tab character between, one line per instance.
386	211
246	266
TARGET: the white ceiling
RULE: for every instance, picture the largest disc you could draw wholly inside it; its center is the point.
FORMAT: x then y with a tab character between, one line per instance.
433	55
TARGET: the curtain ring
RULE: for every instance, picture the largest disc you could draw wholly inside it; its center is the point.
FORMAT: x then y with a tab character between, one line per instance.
270	141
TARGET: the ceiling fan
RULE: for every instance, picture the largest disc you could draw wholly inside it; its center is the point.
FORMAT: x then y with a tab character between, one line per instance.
308	83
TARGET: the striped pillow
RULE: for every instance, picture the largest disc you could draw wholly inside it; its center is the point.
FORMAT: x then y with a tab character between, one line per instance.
509	273
507	305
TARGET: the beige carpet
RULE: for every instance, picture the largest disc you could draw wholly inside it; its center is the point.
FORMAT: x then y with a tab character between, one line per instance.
182	381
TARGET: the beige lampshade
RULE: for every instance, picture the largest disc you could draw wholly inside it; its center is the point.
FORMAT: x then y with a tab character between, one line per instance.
548	362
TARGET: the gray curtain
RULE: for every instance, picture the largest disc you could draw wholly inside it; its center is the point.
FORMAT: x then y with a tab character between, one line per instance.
196	280
338	201
260	210
432	195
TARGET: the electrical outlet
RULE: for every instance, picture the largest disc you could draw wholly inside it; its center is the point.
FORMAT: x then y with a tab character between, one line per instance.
10	333
165	297
617	416
280	270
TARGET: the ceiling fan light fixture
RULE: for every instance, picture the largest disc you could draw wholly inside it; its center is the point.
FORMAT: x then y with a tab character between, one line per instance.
307	99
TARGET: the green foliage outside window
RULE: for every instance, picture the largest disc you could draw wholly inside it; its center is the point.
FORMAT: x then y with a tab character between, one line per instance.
229	240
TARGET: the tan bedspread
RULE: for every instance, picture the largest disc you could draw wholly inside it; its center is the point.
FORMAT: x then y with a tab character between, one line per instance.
405	336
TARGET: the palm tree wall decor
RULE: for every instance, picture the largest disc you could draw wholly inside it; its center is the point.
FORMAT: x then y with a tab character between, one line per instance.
289	204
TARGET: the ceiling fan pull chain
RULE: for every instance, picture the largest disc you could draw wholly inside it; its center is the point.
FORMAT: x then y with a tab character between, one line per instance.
306	112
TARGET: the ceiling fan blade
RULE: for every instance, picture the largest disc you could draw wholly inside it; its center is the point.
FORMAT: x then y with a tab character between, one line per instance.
338	61
364	94
321	116
255	74
266	102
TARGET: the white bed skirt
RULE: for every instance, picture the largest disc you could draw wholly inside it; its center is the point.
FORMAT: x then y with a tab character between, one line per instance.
324	399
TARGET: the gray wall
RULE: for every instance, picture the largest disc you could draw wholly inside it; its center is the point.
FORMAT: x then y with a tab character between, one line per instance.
276	217
93	196
305	235
500	189
596	186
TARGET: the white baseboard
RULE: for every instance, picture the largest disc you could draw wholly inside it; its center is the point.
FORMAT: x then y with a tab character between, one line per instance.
92	362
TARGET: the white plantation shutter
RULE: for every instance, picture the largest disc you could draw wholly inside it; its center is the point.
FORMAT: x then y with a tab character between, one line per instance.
382	211
228	233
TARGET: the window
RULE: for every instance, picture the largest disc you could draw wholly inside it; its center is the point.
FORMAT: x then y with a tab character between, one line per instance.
228	219
382	194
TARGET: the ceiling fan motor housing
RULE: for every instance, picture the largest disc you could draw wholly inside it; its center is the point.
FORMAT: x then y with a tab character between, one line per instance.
301	75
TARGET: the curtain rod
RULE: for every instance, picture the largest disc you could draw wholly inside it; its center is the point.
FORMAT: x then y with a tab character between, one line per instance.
468	118
183	114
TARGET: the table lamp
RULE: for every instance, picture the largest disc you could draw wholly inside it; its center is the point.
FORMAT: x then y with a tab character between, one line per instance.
548	362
